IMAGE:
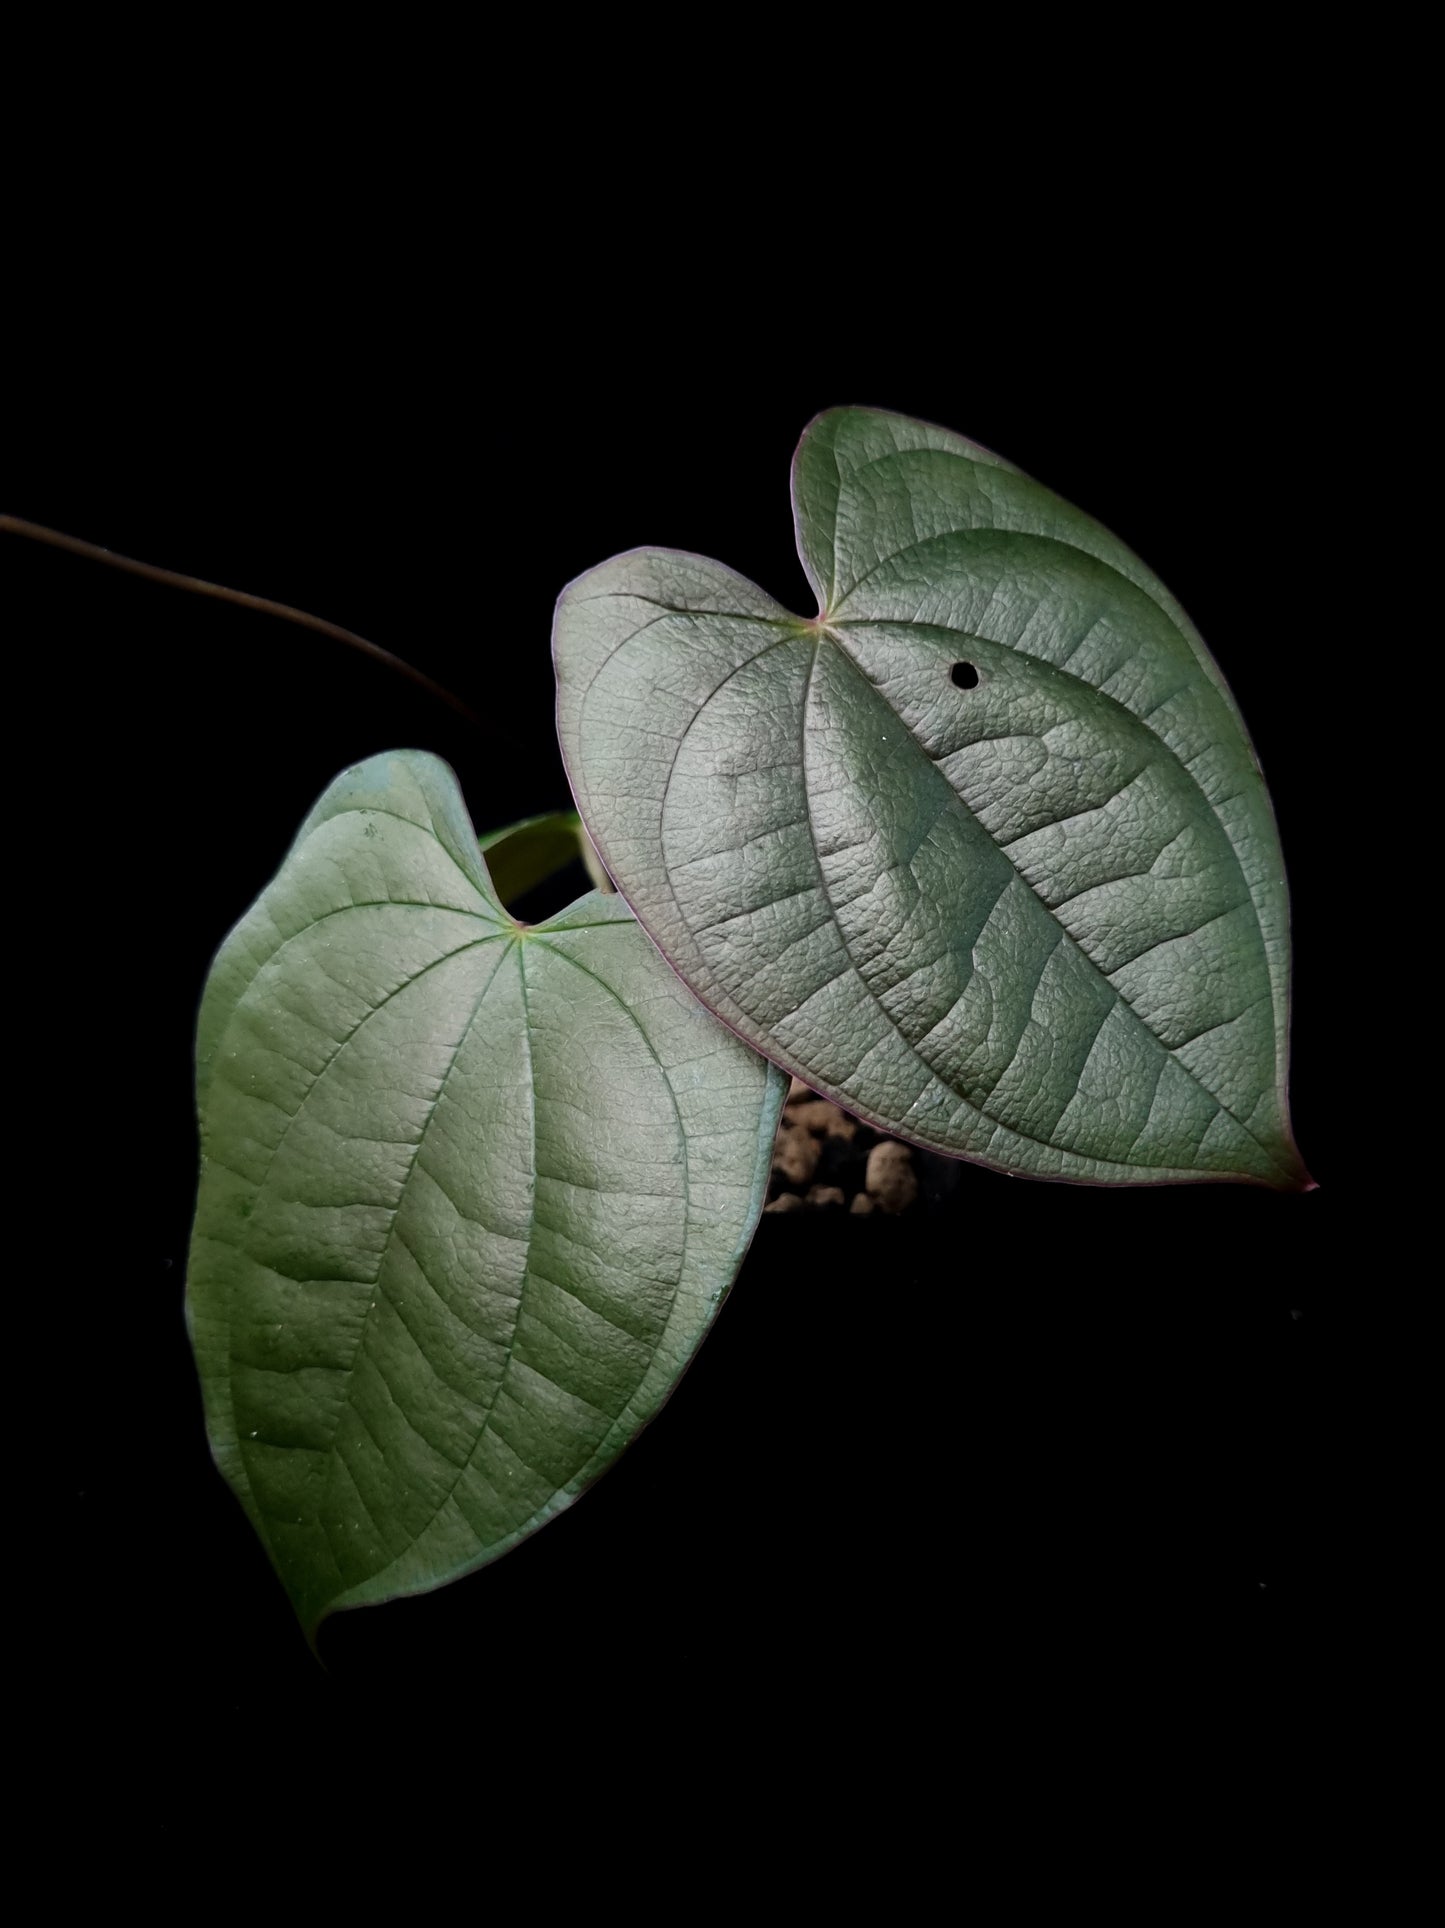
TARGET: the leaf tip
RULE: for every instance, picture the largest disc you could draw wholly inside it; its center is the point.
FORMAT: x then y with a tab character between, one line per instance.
1298	1177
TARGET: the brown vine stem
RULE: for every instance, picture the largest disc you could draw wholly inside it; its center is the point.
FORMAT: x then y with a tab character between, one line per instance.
36	532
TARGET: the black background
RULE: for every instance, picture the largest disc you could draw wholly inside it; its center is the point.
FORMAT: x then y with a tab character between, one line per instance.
1048	1490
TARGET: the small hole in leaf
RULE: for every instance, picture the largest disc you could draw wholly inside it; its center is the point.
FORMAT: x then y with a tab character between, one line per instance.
964	676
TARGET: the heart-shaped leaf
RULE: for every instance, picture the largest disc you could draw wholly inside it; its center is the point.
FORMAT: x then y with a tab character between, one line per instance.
471	1194
982	852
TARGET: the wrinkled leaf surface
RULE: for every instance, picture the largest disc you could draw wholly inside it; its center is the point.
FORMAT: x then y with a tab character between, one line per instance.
470	1196
982	852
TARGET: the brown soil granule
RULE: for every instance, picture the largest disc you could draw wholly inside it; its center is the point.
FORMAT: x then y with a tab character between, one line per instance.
825	1160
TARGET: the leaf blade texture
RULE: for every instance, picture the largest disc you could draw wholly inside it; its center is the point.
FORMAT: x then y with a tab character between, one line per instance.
471	1195
982	852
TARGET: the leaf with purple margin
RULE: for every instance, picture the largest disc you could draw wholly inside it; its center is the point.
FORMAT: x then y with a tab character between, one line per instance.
981	851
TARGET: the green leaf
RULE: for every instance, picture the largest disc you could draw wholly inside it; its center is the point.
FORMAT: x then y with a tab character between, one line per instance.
982	852
471	1194
526	854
